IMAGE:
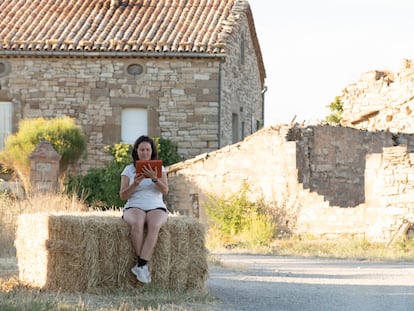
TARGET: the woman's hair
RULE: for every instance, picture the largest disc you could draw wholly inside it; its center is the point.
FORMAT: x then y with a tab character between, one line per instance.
143	138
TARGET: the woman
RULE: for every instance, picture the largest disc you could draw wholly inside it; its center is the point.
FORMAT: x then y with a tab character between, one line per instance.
145	205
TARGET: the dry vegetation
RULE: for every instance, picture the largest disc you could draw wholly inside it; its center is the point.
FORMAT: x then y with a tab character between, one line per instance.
17	295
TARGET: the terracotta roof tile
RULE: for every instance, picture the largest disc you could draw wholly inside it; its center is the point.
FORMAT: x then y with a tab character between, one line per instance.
138	26
197	26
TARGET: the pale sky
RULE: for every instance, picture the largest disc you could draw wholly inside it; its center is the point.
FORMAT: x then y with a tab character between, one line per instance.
314	49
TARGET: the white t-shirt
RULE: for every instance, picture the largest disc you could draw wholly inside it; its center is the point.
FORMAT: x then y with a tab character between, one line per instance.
146	195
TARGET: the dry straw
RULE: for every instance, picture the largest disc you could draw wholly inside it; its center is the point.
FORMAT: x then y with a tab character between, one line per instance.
91	251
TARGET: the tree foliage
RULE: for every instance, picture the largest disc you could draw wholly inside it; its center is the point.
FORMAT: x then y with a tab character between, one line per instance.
336	108
63	134
167	151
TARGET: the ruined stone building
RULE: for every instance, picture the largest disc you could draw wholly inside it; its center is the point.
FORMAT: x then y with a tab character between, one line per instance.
381	101
354	180
326	181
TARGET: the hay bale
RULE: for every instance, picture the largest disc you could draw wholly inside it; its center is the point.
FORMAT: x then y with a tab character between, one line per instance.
180	246
197	262
161	258
92	251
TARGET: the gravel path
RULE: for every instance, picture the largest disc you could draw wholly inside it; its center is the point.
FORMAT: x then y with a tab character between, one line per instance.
251	282
255	282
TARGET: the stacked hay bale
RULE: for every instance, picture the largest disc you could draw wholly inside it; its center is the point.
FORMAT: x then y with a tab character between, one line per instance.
92	251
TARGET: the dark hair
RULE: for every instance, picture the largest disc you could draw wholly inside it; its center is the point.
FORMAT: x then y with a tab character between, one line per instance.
144	138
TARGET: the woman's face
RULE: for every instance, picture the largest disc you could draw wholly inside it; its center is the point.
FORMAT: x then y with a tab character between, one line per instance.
144	151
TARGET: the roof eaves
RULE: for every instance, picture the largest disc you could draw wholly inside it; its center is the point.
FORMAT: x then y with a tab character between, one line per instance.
256	44
111	54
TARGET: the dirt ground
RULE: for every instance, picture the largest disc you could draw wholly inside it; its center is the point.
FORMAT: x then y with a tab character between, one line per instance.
255	282
259	282
8	267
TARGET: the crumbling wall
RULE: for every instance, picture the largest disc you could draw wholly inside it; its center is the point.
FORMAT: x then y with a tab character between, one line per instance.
264	161
381	101
389	205
331	161
324	180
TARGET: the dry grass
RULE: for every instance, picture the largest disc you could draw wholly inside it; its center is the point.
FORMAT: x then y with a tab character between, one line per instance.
402	250
11	208
18	297
342	248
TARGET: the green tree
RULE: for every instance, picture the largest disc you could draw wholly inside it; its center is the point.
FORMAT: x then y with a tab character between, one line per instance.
336	108
64	135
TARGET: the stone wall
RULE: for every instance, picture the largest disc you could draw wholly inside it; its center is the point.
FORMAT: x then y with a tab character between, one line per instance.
182	99
263	160
323	180
241	86
94	91
381	100
389	204
44	168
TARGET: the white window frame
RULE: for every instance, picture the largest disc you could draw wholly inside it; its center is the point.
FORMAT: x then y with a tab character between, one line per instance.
134	123
5	122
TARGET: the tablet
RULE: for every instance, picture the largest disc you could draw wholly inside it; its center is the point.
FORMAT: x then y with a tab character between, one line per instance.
140	164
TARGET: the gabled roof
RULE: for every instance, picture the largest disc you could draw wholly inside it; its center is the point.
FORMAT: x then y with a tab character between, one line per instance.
117	25
136	27
155	27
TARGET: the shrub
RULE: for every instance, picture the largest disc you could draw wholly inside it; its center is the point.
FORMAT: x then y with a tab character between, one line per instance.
63	134
99	188
121	152
167	151
239	221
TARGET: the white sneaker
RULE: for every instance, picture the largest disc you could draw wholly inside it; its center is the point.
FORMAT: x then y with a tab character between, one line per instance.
142	273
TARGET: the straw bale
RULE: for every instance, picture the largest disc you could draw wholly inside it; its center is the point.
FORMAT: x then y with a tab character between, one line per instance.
90	251
179	246
161	259
197	262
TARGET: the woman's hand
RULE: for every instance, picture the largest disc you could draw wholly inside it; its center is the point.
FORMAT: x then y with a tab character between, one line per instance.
138	178
149	172
128	188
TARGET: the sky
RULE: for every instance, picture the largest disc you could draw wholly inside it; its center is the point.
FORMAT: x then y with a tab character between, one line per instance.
313	49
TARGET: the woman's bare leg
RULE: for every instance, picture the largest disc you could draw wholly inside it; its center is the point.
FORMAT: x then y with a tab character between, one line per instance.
155	220
136	218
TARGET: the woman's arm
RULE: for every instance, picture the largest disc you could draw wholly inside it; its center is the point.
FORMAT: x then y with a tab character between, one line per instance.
126	189
161	183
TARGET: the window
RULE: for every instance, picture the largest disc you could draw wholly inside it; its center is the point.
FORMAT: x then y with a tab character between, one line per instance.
4	68
134	124
235	127
258	125
5	122
135	69
242	49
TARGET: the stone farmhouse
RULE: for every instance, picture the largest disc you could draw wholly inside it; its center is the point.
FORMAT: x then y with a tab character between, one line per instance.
186	70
